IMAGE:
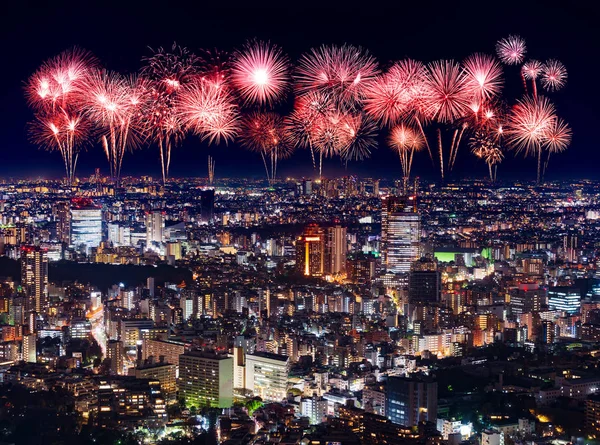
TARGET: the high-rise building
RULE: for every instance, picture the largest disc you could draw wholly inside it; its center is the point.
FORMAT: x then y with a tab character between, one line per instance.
564	299
114	352
206	379
528	297
155	229
411	400
165	373
310	251
336	250
424	282
361	268
29	349
207	205
34	277
267	375
400	233
86	224
62	216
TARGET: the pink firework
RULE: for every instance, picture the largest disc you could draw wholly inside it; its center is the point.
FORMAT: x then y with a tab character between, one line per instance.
511	50
406	141
215	67
483	76
56	83
397	93
266	133
557	137
554	75
209	110
447	97
532	69
361	134
345	72
260	73
64	132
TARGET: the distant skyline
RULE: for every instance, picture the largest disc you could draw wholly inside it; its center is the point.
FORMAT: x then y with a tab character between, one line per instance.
119	35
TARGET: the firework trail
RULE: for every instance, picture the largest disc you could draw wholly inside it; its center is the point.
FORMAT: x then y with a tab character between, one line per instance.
406	141
211	170
260	73
168	72
265	133
116	104
52	92
531	70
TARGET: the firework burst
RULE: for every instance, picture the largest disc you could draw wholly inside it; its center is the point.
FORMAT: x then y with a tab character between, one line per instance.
406	141
209	110
511	50
260	73
483	76
344	72
266	133
361	135
554	75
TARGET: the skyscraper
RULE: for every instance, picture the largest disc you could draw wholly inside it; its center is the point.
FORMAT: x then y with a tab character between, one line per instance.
207	205
400	233
424	282
310	251
34	276
155	229
336	250
62	216
29	349
86	224
206	379
411	400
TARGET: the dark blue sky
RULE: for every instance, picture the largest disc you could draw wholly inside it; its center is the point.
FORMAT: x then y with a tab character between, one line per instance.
118	33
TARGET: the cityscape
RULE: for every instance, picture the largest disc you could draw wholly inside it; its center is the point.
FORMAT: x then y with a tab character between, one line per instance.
214	230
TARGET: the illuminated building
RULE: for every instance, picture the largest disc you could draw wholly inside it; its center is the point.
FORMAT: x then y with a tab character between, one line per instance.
400	233
564	299
165	373
206	379
34	276
527	298
310	251
62	216
114	352
29	349
155	227
267	375
335	250
86	224
411	400
169	349
361	268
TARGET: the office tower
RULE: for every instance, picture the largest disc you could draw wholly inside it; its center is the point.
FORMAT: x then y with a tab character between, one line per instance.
34	277
169	349
174	250
411	400
165	373
547	332
29	349
155	228
127	298
150	285
310	251
570	247
564	299
361	268
206	379
400	233
336	250
267	375
62	216
207	205
424	282
114	352
86	224
131	330
527	298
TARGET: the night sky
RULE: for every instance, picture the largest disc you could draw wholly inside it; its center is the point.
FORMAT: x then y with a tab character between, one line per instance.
119	34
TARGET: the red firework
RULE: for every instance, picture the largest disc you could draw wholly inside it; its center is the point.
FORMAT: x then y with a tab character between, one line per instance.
447	98
532	69
557	137
528	124
59	79
397	93
511	50
208	109
344	72
260	73
484	76
361	136
554	75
